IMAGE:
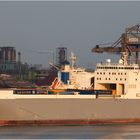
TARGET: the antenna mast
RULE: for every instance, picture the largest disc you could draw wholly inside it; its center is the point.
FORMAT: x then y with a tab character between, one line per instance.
73	59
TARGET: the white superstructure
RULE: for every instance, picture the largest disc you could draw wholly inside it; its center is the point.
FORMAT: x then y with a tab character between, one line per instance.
74	78
122	79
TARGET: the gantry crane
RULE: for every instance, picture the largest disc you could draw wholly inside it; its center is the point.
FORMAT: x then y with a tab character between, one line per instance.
128	44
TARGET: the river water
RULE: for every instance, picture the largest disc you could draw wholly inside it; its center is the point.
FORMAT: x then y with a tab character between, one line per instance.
129	131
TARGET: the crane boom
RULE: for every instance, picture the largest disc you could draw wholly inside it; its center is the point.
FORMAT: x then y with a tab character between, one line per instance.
129	42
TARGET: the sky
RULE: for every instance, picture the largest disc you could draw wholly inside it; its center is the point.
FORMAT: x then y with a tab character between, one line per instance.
34	27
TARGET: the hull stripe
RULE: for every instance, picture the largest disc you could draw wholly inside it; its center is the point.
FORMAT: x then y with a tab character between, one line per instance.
66	122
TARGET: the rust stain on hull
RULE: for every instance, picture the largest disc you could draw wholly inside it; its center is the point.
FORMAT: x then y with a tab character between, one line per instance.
66	122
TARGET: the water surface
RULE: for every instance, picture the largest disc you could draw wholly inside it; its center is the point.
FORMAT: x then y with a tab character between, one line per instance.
72	132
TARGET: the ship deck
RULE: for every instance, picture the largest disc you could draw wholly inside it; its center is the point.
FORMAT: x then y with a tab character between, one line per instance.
8	94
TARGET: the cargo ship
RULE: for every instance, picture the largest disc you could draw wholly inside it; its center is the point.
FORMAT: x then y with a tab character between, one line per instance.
110	94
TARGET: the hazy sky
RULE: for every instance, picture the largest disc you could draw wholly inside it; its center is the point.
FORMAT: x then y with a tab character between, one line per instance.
79	26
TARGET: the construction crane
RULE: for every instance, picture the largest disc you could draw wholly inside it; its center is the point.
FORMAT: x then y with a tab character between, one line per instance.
45	52
128	44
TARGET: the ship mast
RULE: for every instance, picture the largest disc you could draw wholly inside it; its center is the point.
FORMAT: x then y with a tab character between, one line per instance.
73	60
124	57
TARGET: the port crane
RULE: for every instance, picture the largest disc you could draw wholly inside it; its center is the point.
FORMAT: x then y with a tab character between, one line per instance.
128	44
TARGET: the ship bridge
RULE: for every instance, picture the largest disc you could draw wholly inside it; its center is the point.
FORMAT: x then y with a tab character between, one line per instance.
117	66
119	78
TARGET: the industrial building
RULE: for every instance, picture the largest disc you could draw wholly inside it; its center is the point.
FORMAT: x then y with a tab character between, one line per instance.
8	62
61	55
